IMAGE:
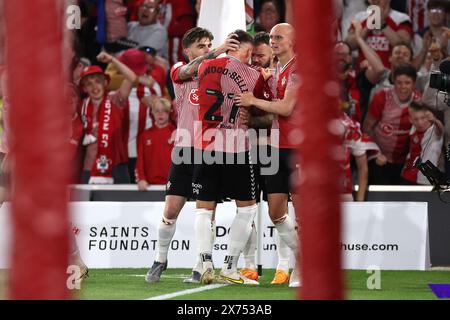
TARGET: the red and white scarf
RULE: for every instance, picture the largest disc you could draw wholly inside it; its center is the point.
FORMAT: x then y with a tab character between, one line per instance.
101	172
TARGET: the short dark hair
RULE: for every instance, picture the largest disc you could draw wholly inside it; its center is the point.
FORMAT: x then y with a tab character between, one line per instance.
195	34
432	4
405	69
261	37
417	106
403	44
243	36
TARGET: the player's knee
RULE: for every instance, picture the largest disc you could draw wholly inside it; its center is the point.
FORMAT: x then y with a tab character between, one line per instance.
279	220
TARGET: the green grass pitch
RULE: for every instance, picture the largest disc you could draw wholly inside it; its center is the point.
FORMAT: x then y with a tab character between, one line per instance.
130	284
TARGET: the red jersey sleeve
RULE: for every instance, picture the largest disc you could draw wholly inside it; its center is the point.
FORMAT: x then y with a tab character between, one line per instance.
262	91
175	72
377	106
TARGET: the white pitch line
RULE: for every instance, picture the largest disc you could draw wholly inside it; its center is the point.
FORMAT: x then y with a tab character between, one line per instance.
188	291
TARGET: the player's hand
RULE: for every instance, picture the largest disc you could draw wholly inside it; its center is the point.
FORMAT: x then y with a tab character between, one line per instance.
142	185
245	116
266	73
244	99
381	160
229	44
104	57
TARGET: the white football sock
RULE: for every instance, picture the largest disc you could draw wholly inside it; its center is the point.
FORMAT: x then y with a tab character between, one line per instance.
166	230
202	229
240	231
249	250
287	232
284	253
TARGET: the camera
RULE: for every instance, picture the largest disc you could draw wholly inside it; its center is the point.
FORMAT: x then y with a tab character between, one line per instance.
441	80
436	177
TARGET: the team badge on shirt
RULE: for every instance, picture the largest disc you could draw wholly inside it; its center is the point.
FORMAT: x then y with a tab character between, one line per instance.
148	142
283	81
416	139
193	97
103	164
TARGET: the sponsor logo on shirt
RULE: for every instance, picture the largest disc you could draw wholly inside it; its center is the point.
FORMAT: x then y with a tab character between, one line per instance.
193	97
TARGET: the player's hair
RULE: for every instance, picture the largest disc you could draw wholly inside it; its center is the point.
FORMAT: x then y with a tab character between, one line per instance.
242	36
417	106
195	34
261	37
164	102
405	69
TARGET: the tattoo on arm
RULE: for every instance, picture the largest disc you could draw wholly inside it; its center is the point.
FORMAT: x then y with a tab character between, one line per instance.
190	70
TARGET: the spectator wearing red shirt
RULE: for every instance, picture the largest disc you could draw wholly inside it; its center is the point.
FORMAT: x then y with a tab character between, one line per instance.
425	141
395	29
155	148
388	123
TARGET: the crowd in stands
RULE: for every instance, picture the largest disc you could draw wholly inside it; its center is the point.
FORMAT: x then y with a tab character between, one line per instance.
384	73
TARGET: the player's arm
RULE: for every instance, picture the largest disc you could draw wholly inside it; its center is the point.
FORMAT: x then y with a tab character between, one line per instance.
282	107
190	70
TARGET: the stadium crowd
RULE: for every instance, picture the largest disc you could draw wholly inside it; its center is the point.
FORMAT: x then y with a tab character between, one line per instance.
128	90
381	73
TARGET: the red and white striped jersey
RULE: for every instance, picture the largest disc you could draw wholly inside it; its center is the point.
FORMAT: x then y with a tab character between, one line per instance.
417	11
427	145
219	81
355	143
285	79
186	104
393	125
377	40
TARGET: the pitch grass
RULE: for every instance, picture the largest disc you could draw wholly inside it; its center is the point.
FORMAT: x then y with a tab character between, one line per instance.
130	284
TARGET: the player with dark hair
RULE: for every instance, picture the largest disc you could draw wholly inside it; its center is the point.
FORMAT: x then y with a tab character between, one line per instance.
226	169
197	47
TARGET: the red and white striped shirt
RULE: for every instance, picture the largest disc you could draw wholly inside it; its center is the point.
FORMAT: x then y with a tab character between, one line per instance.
219	80
417	11
427	145
186	104
377	40
285	79
356	143
393	125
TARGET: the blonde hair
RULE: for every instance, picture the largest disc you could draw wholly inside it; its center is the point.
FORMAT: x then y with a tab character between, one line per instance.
167	105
